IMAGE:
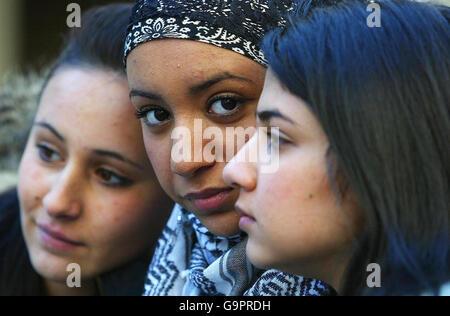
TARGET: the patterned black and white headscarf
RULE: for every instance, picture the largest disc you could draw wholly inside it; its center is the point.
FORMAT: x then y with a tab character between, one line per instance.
237	25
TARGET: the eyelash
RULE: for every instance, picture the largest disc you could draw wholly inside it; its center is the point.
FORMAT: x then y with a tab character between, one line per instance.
123	182
43	147
281	141
140	114
143	112
233	97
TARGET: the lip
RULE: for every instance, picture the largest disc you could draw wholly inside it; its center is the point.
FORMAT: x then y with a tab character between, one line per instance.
211	199
56	239
245	219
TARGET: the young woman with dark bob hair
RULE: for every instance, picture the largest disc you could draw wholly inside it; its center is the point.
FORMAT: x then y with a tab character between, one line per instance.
361	196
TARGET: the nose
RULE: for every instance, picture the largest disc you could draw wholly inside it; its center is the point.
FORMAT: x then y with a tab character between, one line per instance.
189	169
187	157
241	172
63	200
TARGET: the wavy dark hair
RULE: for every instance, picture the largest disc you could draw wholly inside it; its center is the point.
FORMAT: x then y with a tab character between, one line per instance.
381	94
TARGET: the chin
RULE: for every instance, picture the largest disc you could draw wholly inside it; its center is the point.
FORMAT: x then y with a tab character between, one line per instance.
256	260
55	274
260	256
223	224
49	266
225	232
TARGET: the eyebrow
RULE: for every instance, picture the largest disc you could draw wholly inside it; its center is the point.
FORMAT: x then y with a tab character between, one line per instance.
99	152
51	129
265	116
117	156
145	94
193	90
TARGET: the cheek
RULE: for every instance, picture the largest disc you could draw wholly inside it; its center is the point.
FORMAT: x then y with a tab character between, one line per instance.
110	219
32	184
121	221
305	219
293	188
296	200
159	153
114	228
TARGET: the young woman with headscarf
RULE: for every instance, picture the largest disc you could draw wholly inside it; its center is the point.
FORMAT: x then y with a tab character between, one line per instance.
196	65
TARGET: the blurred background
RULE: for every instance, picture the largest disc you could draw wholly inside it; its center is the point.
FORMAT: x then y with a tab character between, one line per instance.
31	31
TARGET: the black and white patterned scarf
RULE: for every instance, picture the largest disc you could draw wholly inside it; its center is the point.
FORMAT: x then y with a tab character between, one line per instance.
191	261
237	25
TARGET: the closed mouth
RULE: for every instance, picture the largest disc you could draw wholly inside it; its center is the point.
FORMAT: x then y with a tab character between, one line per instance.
204	194
243	213
211	200
59	236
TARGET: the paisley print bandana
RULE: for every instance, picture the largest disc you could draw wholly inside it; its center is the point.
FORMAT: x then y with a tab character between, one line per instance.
237	25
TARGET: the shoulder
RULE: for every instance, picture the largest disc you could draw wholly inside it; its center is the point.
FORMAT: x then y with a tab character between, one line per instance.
9	197
445	290
276	283
9	208
127	280
10	231
17	276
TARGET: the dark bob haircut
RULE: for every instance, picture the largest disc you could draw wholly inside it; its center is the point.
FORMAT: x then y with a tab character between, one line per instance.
381	95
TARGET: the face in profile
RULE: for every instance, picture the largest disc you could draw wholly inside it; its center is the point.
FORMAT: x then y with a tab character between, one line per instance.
292	216
175	83
87	192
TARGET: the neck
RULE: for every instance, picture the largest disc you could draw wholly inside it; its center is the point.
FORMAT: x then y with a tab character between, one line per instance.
334	272
337	275
53	288
331	270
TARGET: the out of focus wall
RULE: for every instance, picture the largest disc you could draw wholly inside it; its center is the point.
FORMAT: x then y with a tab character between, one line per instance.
31	31
10	34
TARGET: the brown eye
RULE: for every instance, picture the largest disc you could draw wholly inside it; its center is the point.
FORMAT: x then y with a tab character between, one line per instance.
47	154
229	104
225	106
104	175
111	179
161	115
154	117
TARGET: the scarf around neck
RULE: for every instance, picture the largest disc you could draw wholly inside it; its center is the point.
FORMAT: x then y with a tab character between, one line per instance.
191	261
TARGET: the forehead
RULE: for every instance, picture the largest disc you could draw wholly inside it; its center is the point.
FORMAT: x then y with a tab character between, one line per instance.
92	104
187	60
273	85
274	93
83	91
276	96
